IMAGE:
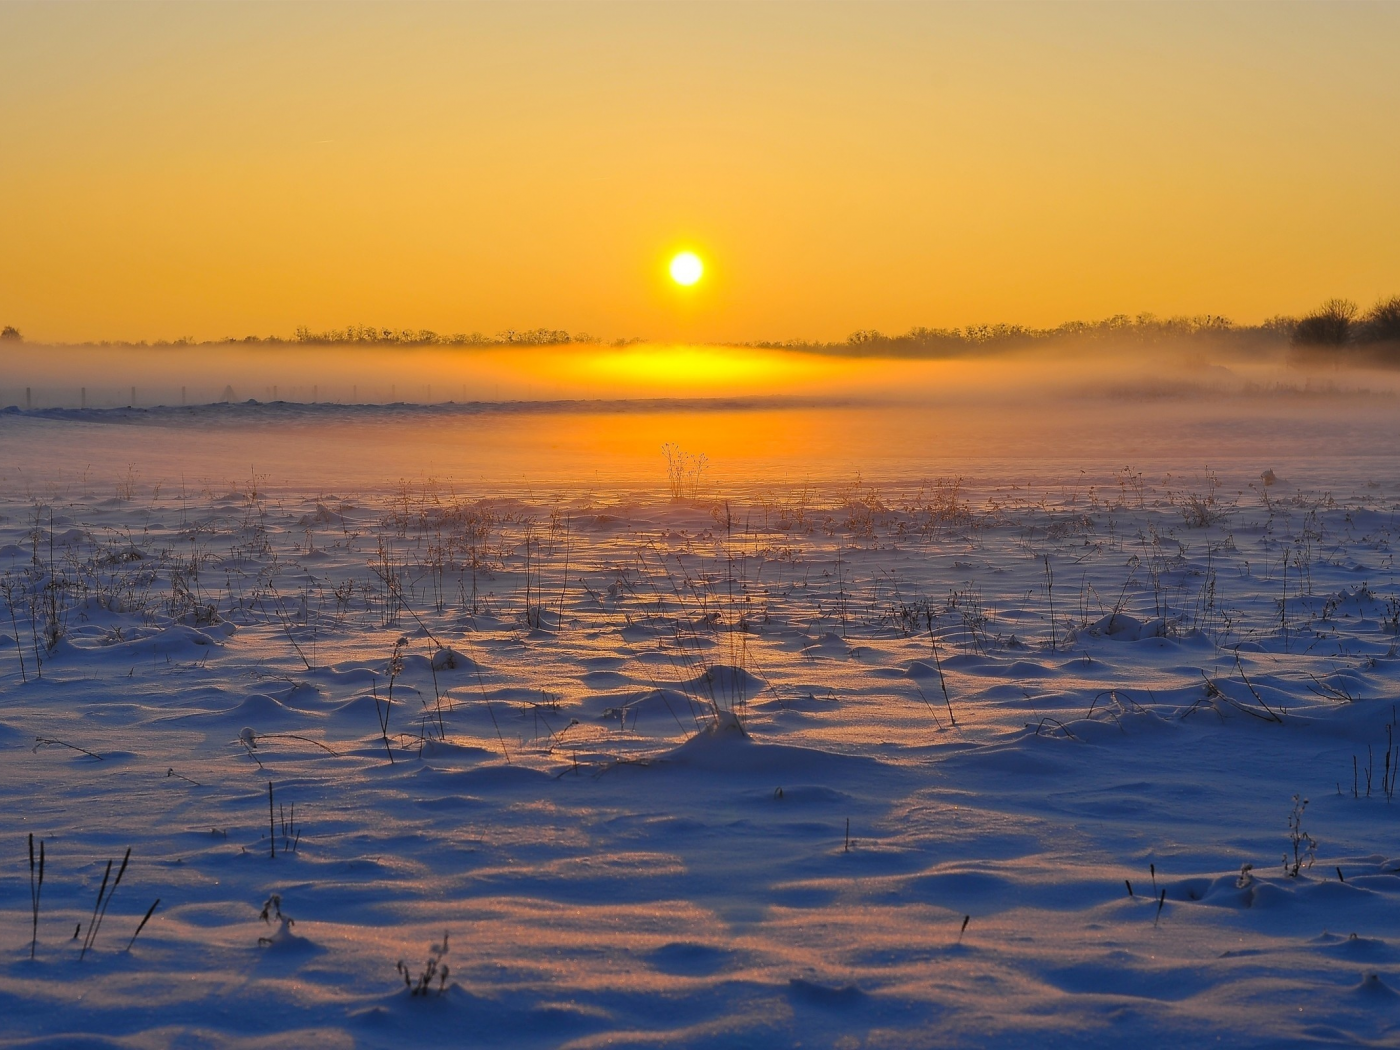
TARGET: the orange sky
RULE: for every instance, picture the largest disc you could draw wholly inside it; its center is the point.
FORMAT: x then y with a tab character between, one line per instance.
208	170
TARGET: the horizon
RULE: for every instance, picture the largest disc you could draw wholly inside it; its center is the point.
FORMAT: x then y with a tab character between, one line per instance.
983	331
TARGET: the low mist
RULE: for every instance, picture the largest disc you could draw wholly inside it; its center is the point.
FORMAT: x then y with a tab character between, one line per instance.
41	377
598	416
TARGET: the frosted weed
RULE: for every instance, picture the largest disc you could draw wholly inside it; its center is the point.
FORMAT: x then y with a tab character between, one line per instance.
433	969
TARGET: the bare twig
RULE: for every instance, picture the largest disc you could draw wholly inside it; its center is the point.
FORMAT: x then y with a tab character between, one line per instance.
43	741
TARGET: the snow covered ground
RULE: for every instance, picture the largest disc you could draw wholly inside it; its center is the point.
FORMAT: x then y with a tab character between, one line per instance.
1019	747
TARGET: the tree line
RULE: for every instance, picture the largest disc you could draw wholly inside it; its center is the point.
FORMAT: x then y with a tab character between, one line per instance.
1338	327
1339	324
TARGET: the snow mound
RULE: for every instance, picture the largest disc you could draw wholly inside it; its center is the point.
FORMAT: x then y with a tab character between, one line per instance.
661	703
349	673
177	639
261	709
445	750
725	746
723	681
1123	627
689	959
829	645
1372	987
284	942
830	996
449	659
922	669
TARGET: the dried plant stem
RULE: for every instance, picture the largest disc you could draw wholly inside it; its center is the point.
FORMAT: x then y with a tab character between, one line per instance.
36	887
99	909
938	664
147	918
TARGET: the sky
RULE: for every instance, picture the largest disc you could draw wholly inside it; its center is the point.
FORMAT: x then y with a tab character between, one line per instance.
210	170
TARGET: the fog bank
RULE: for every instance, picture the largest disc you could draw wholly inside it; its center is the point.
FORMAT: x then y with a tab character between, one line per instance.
37	377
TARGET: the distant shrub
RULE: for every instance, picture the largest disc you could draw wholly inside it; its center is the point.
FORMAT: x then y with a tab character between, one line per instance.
1329	325
359	333
11	334
975	339
535	336
1380	325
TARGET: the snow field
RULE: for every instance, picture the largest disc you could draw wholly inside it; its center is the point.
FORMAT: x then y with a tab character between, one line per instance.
611	743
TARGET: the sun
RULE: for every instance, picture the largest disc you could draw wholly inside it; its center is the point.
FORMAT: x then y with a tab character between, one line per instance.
686	268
